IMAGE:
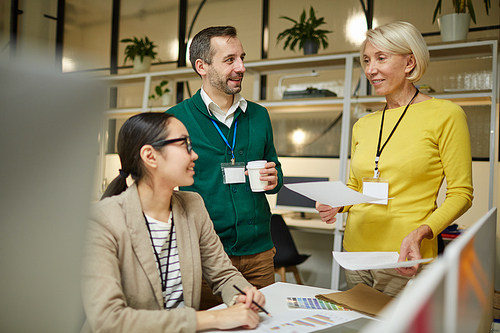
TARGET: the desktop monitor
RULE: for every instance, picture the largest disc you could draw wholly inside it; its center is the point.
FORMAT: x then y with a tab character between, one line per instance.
292	201
470	281
49	126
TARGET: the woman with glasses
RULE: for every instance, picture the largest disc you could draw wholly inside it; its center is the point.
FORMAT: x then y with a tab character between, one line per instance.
149	246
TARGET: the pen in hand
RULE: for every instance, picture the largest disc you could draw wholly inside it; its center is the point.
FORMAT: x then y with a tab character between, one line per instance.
260	307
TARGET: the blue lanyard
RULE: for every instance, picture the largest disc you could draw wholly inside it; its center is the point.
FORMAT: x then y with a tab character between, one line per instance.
225	139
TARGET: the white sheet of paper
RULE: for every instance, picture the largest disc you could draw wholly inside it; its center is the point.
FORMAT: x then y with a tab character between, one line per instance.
355	261
300	321
334	194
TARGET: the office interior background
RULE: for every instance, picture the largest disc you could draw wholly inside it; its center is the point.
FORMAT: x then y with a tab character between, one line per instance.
82	38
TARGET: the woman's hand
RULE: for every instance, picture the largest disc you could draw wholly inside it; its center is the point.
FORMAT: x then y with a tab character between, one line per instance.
327	213
410	249
238	315
243	314
252	294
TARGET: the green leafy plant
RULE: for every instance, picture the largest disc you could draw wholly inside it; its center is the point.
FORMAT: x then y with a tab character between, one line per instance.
139	47
303	30
461	6
160	90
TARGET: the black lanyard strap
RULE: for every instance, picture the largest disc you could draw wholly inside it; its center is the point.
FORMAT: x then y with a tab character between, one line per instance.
163	280
379	150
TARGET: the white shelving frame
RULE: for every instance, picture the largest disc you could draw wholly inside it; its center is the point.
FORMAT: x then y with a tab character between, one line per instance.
348	62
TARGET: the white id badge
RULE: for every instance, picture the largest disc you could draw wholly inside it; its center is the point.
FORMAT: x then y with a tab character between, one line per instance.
378	188
233	173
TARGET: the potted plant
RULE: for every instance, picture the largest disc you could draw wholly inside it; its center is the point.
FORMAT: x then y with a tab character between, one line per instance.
455	26
161	91
141	52
305	33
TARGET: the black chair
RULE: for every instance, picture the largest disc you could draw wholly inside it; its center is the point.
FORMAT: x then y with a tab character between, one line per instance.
287	257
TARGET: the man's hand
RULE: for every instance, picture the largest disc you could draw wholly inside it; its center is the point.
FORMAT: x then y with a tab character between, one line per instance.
269	174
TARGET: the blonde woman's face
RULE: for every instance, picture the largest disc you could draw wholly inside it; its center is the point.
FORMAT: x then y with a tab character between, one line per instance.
386	71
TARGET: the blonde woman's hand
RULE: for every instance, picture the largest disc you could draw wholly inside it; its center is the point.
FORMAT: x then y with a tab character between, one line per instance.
327	213
410	249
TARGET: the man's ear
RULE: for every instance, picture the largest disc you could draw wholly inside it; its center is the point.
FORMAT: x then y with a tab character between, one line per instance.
410	63
148	156
201	67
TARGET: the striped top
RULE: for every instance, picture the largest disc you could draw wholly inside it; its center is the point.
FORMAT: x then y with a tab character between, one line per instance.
160	235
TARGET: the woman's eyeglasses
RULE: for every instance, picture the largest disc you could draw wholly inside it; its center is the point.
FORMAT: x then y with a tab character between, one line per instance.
187	140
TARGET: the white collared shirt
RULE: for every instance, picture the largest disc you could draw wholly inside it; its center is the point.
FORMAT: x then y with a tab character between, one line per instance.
224	117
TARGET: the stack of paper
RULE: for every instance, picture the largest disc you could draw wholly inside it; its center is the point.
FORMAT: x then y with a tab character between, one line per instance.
355	261
334	194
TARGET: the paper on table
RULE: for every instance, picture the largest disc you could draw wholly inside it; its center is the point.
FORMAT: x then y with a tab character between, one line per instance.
355	261
300	321
334	194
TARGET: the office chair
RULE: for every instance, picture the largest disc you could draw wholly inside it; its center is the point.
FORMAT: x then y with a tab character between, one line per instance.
287	257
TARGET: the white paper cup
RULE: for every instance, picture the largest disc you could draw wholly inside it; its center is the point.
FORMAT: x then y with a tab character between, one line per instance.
254	168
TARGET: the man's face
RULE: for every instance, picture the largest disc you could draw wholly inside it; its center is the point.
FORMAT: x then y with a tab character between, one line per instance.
226	71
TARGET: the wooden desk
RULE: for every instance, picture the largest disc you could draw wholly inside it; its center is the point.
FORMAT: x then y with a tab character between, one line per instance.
311	222
310	225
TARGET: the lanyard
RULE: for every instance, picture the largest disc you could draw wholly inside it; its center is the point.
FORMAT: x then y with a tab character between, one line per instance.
376	173
225	140
163	280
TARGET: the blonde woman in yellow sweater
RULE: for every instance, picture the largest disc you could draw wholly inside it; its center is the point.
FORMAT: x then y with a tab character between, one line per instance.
410	146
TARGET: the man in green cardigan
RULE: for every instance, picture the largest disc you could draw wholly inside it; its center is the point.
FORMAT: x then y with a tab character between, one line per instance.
227	132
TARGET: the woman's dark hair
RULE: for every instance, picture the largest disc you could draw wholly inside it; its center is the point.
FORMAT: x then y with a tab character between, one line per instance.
137	131
201	48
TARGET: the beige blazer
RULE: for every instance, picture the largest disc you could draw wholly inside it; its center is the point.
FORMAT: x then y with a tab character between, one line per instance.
121	287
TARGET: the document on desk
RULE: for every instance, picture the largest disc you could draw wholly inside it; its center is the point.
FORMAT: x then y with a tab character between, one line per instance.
334	194
355	261
306	321
301	321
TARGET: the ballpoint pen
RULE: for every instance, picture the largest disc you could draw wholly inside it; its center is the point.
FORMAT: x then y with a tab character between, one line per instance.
260	307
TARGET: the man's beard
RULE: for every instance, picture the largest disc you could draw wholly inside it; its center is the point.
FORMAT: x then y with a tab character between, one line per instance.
217	82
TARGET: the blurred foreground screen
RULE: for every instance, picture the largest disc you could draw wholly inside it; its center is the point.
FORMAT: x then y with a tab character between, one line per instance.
49	126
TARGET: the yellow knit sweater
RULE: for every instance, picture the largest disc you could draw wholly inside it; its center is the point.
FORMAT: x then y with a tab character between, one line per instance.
431	142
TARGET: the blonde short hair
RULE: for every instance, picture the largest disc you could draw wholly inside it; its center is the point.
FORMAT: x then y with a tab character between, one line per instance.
400	38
